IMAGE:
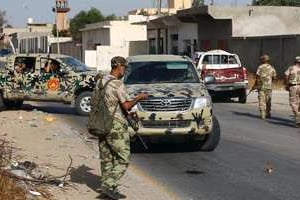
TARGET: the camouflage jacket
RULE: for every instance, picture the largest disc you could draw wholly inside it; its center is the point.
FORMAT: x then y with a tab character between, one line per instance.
265	73
115	94
293	74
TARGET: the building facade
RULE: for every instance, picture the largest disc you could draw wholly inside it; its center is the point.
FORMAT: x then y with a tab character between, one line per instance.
248	31
101	41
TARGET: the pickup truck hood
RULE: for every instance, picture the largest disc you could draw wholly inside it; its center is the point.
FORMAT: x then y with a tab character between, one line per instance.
169	90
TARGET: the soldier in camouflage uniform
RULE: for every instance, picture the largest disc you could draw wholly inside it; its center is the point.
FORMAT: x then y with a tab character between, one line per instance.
292	81
264	76
115	148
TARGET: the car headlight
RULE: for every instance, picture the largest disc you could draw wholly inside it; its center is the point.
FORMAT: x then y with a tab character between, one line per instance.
202	102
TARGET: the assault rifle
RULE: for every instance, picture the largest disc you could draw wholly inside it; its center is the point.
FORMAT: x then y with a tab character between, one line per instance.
133	121
253	87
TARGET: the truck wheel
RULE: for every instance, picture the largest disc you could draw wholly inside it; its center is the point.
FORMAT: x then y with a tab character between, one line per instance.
83	103
2	106
243	97
10	104
212	140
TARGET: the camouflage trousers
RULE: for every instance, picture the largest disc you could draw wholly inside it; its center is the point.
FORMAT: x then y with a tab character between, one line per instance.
114	155
294	95
264	102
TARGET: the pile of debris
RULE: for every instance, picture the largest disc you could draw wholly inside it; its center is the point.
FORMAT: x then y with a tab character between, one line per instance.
25	180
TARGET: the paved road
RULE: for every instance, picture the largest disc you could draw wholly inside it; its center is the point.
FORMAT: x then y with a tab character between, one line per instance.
236	169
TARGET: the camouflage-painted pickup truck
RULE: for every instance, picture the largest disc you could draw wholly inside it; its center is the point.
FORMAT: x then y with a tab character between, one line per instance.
179	107
45	77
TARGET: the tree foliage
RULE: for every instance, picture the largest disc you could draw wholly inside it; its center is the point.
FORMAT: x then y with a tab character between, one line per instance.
82	18
276	2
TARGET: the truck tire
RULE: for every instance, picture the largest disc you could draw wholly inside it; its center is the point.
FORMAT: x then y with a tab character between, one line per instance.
2	106
13	104
243	97
83	103
212	140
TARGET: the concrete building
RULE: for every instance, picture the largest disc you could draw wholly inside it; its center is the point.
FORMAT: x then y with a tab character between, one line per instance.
248	31
101	41
173	7
33	38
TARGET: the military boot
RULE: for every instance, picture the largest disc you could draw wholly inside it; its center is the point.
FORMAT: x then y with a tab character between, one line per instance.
268	115
263	115
109	193
117	192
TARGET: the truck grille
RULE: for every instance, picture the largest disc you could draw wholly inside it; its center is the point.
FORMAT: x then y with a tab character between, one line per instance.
166	123
166	104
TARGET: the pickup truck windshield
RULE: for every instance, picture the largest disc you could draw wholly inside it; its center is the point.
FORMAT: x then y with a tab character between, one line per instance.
160	72
76	65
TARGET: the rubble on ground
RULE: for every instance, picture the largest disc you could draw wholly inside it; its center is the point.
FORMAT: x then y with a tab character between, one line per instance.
25	180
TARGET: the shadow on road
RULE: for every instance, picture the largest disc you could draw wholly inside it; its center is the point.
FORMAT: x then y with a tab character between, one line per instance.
82	175
272	120
281	121
246	114
53	109
163	147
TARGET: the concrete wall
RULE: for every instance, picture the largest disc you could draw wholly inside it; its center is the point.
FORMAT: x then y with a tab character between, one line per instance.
214	29
122	32
281	49
137	48
90	56
187	32
97	36
259	20
106	53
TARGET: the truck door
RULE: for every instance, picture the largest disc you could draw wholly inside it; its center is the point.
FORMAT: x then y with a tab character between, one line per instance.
54	82
19	81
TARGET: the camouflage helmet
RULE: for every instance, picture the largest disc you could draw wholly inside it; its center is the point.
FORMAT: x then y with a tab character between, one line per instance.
265	58
297	59
118	60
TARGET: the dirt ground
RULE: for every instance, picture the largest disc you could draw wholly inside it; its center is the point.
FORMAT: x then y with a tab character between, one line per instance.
48	140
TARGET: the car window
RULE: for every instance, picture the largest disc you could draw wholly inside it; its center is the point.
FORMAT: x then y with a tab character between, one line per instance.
75	64
232	60
160	72
49	65
24	64
216	59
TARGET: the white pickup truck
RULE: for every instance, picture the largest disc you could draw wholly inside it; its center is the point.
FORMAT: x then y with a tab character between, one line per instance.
230	75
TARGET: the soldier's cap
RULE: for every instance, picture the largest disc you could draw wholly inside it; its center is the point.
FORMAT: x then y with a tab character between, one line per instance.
115	61
265	58
297	59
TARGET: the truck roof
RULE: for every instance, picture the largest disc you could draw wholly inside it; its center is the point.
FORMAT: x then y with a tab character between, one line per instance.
39	54
154	58
219	51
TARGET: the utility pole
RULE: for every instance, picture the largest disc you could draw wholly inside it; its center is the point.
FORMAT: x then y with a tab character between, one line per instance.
159	6
55	10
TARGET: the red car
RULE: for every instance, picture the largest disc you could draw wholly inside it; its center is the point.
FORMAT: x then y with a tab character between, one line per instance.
230	76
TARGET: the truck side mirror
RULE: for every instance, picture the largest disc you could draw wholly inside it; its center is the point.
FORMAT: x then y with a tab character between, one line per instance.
209	79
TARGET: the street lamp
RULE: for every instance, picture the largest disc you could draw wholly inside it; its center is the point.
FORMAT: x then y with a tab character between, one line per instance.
54	9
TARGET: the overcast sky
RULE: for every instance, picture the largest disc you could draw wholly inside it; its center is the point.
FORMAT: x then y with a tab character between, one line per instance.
17	11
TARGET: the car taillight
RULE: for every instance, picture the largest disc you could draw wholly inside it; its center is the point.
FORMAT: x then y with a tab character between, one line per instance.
245	73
